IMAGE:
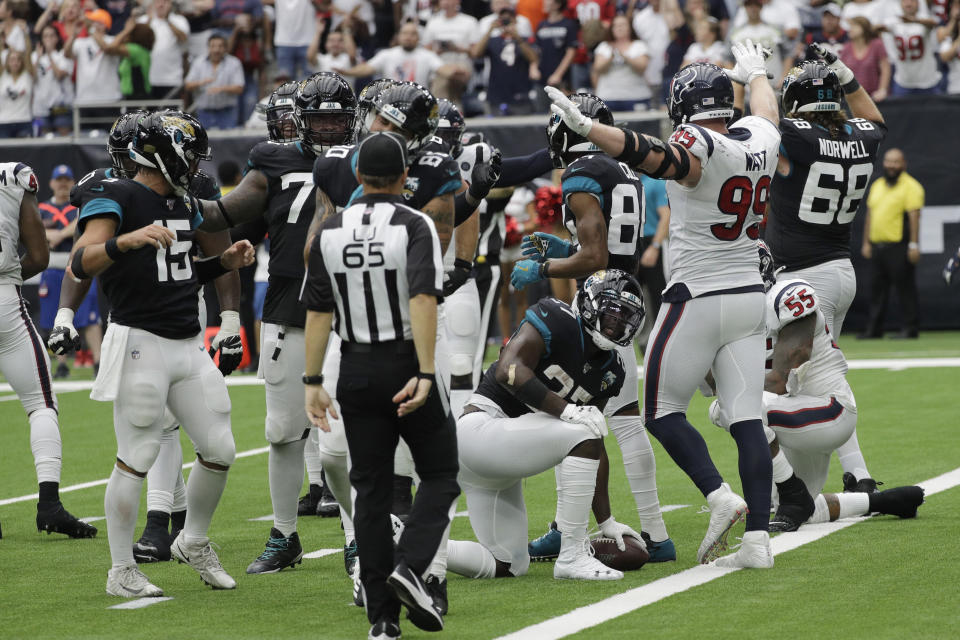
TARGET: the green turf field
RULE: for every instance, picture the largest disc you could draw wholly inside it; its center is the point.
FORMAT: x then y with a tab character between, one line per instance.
882	578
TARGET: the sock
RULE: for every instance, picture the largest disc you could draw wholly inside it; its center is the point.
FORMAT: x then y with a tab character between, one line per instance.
438	566
180	494
163	474
853	504
121	501
459	399
158	521
821	512
641	468
471	559
349	534
49	493
286	480
756	471
177	518
688	449
556	475
204	488
851	458
781	467
45	443
311	457
337	474
578	481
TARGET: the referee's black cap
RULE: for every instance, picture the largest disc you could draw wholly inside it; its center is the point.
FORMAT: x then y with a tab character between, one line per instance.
382	153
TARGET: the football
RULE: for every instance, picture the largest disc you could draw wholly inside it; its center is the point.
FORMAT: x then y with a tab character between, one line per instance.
630	559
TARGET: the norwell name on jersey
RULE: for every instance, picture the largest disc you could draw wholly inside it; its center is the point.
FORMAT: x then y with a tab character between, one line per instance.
843	148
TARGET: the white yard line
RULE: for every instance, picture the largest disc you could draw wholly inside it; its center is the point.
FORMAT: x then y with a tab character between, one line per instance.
623	603
139	603
319	553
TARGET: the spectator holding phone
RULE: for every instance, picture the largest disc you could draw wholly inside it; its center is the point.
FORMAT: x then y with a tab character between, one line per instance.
512	64
53	91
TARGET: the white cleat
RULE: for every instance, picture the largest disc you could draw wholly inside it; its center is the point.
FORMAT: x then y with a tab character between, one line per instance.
130	582
726	509
202	558
583	566
754	553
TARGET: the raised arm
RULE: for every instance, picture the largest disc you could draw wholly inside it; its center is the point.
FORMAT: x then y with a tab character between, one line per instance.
245	203
861	104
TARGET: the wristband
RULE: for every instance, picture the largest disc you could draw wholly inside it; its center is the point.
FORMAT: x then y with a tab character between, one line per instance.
913	245
432	377
544	269
313	380
851	86
113	251
460	263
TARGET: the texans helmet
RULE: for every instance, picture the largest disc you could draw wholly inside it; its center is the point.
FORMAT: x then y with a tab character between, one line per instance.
811	86
451	126
564	143
172	142
365	103
118	143
281	126
324	110
411	109
768	270
700	91
611	309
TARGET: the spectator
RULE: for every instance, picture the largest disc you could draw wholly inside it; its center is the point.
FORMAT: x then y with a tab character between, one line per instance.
891	237
217	79
450	34
340	50
866	56
98	81
13	30
225	14
357	15
168	56
69	16
950	49
293	32
416	11
53	90
535	11
779	14
697	10
759	31
619	65
708	45
16	96
524	28
653	25
247	47
830	34
199	15
406	61
132	46
512	62
867	9
912	43
594	17
556	39
120	11
656	227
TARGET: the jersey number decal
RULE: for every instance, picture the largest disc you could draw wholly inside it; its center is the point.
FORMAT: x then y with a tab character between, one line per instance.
626	217
304	180
354	256
805	301
556	372
684	138
173	262
909	48
738	196
830	196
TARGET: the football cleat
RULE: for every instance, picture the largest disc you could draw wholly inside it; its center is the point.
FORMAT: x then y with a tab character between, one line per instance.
546	547
412	592
327	506
55	519
437	588
310	501
350	557
852	485
582	565
662	551
281	552
754	553
153	546
384	630
203	559
726	509
782	522
795	507
359	596
130	582
899	501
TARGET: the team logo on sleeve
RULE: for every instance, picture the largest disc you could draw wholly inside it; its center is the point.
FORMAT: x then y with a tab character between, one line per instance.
609	379
410	187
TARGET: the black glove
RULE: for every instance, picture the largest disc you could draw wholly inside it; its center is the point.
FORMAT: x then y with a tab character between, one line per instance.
63	340
454	279
484	174
228	342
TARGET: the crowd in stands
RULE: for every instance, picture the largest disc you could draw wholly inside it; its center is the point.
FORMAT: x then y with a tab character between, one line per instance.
220	57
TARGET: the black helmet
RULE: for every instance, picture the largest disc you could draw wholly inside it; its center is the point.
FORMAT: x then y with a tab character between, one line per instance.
281	127
811	86
610	306
365	103
768	270
451	126
410	108
564	144
172	142
324	111
700	91
118	143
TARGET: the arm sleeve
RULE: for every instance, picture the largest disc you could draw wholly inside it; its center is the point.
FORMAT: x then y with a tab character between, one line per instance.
424	265
517	171
317	291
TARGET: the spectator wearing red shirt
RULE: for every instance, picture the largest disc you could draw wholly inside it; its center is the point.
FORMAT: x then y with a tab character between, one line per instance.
594	17
866	56
245	45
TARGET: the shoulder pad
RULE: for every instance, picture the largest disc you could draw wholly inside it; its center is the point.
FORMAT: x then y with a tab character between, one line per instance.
25	178
696	140
582	176
792	300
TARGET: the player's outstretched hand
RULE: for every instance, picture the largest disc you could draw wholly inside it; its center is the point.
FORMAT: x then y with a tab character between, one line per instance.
542	245
610	528
63	338
568	111
454	279
844	74
587	415
485	173
318	404
525	272
228	342
413	395
240	254
154	234
751	59
953	264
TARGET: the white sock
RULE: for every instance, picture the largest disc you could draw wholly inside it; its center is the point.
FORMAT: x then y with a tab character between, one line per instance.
471	559
163	474
46	446
121	502
851	458
438	567
180	493
641	469
337	472
853	504
781	467
286	480
204	488
578	481
821	512
311	457
459	399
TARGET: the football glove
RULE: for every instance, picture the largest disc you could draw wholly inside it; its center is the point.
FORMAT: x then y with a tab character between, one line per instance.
844	74
610	528
454	279
751	60
228	343
525	272
63	338
485	174
541	246
952	265
587	415
569	112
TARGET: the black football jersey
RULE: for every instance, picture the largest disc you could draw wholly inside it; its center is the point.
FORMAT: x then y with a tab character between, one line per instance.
564	367
148	288
90	186
812	208
620	193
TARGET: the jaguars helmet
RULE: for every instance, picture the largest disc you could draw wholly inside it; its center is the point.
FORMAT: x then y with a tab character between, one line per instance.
172	142
411	109
700	91
451	126
811	86
325	109
281	126
566	145
365	103
768	269
118	143
611	309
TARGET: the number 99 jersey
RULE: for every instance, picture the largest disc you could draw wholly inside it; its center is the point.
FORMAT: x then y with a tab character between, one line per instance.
814	205
620	194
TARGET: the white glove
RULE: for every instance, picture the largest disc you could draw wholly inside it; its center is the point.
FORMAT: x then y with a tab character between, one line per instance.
568	111
751	60
63	338
228	342
736	75
844	74
610	528
589	416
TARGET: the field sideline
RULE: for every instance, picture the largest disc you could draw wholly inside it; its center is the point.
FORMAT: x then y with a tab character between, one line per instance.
879	578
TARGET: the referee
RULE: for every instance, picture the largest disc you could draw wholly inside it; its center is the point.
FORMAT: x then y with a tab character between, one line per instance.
374	274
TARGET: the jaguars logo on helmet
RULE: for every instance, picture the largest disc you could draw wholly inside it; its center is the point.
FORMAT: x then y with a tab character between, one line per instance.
172	142
610	305
564	143
365	103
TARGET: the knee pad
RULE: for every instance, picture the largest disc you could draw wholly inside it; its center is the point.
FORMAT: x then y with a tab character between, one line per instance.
138	448
461	364
220	448
142	402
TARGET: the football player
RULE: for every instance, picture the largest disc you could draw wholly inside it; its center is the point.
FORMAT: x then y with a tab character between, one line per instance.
545	396
23	360
604	213
712	316
138	236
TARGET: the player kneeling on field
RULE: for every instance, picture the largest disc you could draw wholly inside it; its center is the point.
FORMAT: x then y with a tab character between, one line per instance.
540	406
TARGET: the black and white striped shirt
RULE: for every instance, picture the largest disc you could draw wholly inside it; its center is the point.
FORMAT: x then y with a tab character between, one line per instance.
366	262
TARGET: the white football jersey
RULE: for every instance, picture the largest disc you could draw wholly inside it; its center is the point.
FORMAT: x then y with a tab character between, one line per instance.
714	225
16	179
912	49
824	373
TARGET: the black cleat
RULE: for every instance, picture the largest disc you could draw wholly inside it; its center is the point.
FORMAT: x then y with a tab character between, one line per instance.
308	503
852	485
327	506
279	554
350	557
899	501
437	588
782	523
796	505
56	519
402	499
153	546
411	591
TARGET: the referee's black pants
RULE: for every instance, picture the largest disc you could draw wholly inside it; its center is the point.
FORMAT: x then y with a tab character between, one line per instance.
891	269
370	375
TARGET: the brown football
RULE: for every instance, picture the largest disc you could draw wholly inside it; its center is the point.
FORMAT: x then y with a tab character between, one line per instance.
630	559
